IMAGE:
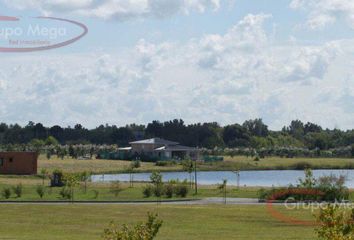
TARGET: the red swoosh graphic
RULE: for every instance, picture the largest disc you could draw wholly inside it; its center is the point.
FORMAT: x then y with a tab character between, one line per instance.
7	18
58	45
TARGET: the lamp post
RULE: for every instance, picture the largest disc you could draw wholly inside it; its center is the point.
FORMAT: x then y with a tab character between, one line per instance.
195	177
237	178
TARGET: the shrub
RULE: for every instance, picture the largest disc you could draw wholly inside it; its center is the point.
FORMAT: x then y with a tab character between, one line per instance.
65	193
301	166
115	188
6	192
328	188
161	163
181	190
95	194
17	190
147	191
333	224
40	190
169	190
57	178
136	164
142	231
158	190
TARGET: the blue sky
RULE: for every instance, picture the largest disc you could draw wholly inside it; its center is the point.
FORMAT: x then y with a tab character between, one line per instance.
200	60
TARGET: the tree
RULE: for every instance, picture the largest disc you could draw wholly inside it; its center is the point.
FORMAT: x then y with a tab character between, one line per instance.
44	173
309	181
142	231
223	187
256	127
335	224
6	192
188	166
85	176
17	190
71	180
51	141
296	129
236	136
37	144
122	136
134	164
156	179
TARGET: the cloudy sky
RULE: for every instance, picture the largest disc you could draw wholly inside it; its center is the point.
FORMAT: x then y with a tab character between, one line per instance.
200	60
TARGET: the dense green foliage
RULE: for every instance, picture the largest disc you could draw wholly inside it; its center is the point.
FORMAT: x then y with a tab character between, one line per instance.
297	139
326	188
142	231
334	224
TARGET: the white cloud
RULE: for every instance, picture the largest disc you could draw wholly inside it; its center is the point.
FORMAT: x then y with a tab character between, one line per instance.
117	9
220	77
325	12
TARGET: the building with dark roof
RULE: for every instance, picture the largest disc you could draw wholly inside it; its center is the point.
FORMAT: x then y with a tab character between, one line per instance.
161	149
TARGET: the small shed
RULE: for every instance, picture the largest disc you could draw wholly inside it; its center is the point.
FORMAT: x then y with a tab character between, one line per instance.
18	163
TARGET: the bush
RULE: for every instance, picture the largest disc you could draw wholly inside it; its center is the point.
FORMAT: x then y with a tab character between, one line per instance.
57	179
65	193
115	188
327	188
136	164
6	192
142	231
158	190
17	190
162	163
95	194
334	223
147	191
182	190
40	191
169	190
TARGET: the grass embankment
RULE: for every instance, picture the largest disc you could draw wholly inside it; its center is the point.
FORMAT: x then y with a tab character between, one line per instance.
86	222
239	162
102	191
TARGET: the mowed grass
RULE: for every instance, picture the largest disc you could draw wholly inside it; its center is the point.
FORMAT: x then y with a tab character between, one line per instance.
70	165
99	166
102	191
207	222
278	163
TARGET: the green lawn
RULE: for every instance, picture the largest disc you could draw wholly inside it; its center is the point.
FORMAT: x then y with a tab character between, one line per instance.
239	162
210	222
30	183
104	193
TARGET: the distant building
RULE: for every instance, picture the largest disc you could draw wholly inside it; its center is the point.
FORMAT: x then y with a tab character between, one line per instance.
18	163
161	149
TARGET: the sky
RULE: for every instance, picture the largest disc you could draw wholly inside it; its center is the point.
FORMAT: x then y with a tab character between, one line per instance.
200	60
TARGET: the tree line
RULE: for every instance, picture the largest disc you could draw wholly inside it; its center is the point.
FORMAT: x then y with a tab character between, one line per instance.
250	134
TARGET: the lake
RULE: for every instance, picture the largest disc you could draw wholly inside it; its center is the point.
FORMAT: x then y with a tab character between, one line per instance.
275	178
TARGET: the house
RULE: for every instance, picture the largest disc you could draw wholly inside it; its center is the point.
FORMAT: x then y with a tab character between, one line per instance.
161	149
18	163
153	149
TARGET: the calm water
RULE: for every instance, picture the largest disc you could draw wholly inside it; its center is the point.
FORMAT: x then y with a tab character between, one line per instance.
248	178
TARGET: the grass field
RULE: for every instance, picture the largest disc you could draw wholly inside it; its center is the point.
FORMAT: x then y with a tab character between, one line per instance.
104	194
239	162
209	222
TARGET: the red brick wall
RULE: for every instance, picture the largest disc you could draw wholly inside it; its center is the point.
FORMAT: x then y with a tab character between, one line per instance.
18	163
